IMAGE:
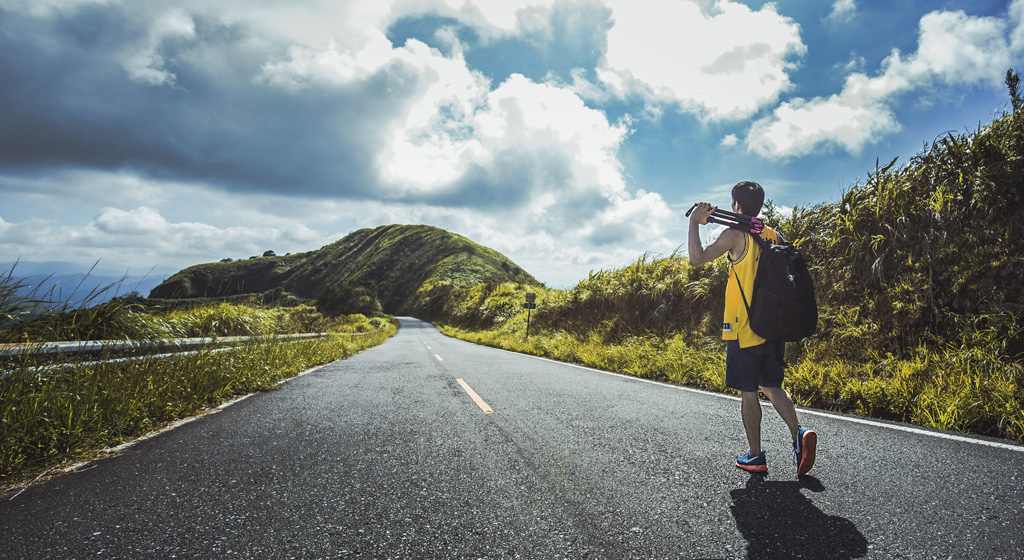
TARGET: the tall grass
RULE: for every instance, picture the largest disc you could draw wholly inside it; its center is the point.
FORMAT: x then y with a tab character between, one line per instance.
47	311
129	318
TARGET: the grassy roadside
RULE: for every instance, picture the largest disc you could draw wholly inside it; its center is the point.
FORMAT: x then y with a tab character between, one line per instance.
48	419
949	389
672	360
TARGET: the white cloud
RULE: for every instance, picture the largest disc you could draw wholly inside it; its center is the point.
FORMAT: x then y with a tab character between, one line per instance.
1016	13
590	91
142	236
953	49
722	65
798	127
730	140
333	65
956	48
141	221
520	148
440	133
540	158
856	63
842	11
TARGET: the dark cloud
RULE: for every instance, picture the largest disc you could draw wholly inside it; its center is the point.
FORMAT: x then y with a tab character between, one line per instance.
612	234
68	101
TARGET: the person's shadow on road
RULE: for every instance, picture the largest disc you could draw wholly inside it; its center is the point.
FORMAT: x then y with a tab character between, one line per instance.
778	521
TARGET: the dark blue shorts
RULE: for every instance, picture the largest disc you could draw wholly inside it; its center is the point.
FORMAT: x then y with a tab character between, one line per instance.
748	368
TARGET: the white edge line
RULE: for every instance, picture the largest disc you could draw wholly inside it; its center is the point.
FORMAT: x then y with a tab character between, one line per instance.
834	416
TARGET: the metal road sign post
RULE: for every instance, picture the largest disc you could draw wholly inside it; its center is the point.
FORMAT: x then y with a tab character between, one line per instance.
530	305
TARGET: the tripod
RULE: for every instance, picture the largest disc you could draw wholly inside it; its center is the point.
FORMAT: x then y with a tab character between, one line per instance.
747	224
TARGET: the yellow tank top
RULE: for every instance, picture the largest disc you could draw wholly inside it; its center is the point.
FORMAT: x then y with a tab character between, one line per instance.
736	324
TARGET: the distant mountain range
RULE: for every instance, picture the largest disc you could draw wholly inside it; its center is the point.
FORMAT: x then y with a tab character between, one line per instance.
391	264
74	284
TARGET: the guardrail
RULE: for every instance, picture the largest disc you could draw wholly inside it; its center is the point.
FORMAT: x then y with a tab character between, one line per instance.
170	347
73	347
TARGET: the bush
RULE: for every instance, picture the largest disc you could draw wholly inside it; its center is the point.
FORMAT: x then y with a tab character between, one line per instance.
341	299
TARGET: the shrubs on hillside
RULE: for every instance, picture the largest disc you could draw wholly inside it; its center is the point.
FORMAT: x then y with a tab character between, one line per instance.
341	299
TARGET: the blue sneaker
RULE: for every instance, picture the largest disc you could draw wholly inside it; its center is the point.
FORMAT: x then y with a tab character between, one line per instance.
757	463
804	447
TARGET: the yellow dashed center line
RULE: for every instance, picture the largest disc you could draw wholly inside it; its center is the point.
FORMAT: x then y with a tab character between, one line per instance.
476	398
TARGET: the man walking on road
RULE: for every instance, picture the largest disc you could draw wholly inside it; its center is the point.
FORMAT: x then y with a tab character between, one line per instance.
751	362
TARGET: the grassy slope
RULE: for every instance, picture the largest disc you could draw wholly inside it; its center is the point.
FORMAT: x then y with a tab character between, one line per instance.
234	278
395	261
398	260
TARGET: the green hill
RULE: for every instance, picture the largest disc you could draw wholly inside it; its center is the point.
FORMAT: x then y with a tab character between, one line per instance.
388	264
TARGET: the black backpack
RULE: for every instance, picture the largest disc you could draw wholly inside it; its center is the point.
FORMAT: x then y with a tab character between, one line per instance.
782	307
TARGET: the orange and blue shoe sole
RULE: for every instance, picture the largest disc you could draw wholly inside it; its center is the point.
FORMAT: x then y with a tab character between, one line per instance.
753	468
808	448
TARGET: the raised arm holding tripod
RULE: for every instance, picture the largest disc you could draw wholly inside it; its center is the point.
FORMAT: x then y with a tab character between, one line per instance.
752	361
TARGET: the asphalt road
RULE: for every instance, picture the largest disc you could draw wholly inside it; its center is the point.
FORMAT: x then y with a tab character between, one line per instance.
386	455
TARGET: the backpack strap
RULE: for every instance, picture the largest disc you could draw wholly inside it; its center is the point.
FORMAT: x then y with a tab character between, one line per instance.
740	284
763	243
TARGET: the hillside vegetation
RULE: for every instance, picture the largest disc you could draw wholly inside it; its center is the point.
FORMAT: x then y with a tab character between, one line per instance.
380	269
920	279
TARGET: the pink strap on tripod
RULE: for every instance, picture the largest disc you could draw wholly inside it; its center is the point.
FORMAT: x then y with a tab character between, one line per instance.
742	222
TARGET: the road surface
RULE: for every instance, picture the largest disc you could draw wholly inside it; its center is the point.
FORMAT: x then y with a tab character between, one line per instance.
388	455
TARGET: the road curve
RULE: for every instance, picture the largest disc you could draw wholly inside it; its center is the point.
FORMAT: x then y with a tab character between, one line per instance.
388	454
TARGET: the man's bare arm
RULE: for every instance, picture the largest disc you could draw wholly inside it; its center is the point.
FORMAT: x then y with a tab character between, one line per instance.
699	255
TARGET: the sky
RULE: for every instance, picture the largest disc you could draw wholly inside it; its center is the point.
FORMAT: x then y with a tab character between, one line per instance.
570	135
